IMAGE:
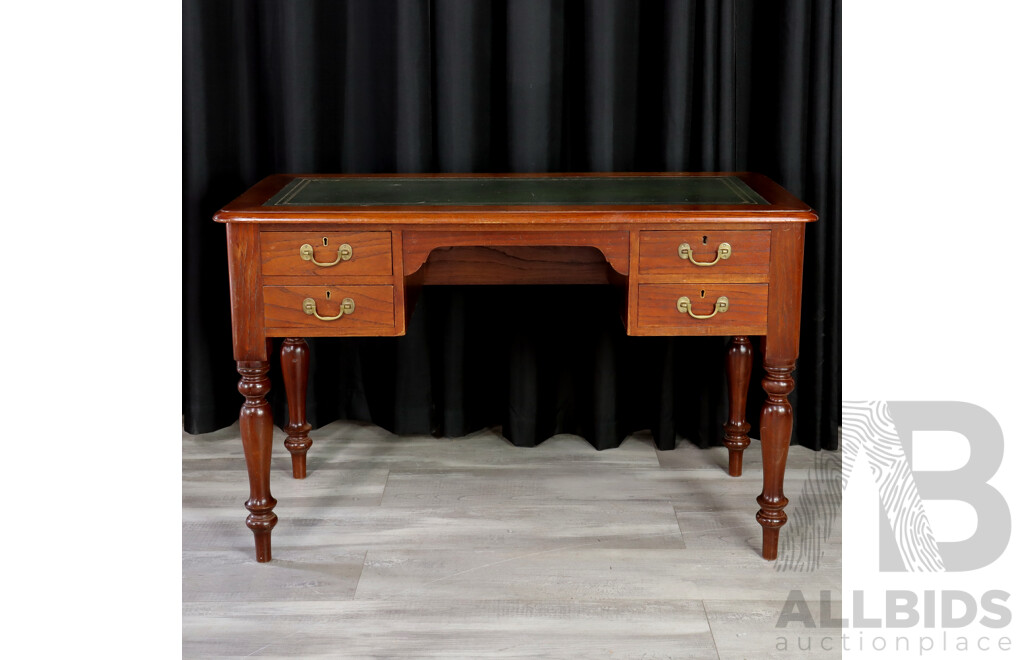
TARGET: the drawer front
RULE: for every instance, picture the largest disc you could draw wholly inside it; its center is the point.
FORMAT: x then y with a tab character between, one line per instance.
361	253
747	311
373	311
748	252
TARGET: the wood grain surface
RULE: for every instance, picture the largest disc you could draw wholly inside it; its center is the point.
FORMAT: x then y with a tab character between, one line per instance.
374	308
371	253
516	265
659	253
614	245
747	313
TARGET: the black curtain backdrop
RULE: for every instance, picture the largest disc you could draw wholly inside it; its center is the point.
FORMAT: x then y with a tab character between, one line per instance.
512	86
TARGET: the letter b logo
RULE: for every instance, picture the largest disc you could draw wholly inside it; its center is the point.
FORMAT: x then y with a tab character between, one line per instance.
882	431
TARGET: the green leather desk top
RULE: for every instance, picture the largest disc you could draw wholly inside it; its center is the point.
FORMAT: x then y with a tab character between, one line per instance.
519	191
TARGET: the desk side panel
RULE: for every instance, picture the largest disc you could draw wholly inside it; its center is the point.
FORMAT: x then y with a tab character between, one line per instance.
246	289
782	343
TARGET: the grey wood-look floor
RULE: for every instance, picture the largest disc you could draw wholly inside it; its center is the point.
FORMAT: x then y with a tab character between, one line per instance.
418	547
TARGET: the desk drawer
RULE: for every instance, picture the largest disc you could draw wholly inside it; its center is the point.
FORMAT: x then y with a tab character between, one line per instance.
340	253
660	252
372	310
747	313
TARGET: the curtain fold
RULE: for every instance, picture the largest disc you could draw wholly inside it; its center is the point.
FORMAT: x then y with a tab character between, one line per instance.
519	85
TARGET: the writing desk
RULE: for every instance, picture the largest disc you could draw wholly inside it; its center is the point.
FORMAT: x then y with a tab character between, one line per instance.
346	255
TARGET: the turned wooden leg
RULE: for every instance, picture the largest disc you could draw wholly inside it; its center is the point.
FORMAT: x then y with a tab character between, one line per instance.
295	368
776	428
257	441
738	362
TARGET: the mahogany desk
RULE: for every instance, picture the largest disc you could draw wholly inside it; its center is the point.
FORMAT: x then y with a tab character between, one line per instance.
345	256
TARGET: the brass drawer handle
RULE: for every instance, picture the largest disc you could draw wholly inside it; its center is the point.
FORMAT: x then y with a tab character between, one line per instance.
683	305
344	254
347	307
724	252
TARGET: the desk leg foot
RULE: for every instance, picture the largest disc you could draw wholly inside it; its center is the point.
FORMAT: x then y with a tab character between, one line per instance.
738	362
776	429
295	368
257	429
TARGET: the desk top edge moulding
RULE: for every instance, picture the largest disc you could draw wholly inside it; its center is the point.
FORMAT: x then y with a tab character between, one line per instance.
291	197
346	255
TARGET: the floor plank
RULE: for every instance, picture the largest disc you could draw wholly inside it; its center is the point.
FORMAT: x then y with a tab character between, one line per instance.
688	456
533	525
305	573
418	628
568	483
584	571
752	629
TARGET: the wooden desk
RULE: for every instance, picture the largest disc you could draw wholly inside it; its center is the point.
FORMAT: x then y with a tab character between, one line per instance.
345	256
